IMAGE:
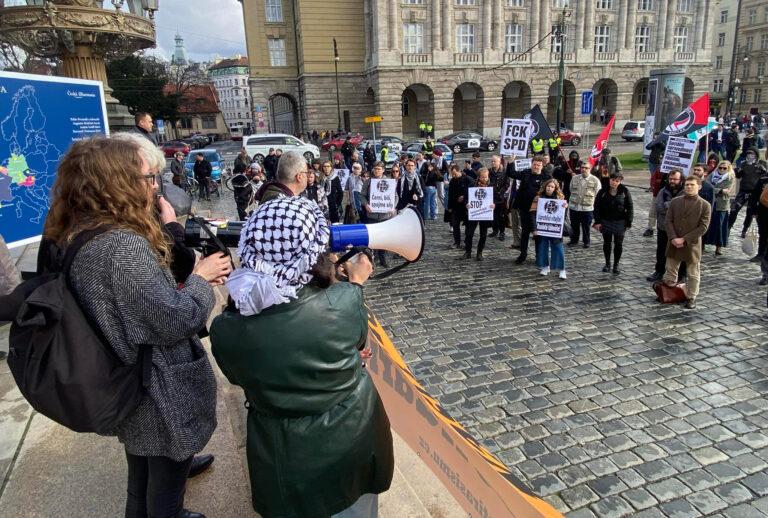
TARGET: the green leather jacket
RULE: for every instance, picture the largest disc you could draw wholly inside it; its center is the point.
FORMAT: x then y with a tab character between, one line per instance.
318	435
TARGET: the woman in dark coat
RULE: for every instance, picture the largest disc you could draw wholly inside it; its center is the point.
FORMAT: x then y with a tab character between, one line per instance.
318	437
334	192
613	216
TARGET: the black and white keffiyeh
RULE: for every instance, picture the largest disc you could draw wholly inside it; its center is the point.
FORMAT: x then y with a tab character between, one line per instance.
279	245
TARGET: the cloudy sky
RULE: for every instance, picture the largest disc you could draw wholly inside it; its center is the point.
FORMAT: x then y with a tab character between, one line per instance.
209	27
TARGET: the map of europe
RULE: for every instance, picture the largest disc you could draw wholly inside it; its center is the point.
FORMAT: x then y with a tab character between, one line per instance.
40	117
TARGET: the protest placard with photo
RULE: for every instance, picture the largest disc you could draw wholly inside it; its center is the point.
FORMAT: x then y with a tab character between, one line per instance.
479	204
343	175
550	217
382	195
515	135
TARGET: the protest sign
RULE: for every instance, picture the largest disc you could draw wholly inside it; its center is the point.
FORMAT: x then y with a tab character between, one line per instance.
522	164
550	217
479	204
343	175
678	155
382	195
515	135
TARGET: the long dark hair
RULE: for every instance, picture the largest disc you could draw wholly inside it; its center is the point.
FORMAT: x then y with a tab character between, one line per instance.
324	271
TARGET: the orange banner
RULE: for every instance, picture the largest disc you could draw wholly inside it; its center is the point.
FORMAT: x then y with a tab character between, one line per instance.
481	483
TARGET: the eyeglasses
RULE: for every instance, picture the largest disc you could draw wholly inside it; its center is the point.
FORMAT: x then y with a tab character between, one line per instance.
723	168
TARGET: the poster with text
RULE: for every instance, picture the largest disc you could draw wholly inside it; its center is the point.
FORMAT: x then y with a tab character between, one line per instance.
678	155
550	217
515	135
479	204
382	195
521	165
40	118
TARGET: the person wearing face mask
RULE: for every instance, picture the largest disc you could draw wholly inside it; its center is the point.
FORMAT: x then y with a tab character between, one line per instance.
686	222
672	190
749	172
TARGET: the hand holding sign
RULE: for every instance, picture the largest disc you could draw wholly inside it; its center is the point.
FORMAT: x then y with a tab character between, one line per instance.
480	204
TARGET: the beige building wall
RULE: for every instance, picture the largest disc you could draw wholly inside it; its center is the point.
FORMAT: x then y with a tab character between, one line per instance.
723	38
751	64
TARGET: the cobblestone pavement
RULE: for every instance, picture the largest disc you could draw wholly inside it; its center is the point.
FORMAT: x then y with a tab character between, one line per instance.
603	401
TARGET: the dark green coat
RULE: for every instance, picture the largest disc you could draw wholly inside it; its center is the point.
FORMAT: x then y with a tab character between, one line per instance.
318	435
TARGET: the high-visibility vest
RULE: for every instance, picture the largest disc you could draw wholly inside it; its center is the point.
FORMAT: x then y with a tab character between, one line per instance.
422	126
553	143
428	147
429	127
384	154
538	145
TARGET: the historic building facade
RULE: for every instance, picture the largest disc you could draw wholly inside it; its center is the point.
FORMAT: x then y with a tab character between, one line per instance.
723	44
466	64
230	79
749	77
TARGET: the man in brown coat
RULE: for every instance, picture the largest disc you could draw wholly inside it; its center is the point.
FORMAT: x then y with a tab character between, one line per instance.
687	221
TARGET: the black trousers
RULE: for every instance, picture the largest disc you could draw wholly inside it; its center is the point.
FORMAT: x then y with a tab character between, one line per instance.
457	217
661	255
526	227
617	241
581	222
471	226
742	199
762	231
156	486
204	187
500	218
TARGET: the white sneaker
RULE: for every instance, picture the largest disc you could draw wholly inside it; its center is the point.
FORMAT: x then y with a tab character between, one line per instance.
563	275
544	271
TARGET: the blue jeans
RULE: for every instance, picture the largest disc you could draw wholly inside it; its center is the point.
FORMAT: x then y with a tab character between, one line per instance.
543	246
357	200
430	202
581	221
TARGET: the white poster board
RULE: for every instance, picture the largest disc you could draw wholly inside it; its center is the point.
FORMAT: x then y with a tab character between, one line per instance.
550	217
382	195
515	136
479	204
523	164
678	155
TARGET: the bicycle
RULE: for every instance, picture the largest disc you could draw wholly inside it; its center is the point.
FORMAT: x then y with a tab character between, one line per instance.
193	187
226	178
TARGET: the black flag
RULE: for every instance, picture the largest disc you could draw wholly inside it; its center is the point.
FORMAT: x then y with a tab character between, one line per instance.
539	127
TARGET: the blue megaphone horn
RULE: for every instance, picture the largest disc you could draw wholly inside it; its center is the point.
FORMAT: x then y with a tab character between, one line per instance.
403	235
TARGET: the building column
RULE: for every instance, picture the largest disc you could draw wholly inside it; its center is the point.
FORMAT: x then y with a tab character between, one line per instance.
448	25
500	24
578	36
394	29
487	21
629	43
622	39
437	23
589	25
534	20
669	33
661	31
545	13
707	12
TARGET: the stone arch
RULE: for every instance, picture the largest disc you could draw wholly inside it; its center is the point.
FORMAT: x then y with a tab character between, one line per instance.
569	104
283	114
417	104
468	101
515	100
639	99
606	96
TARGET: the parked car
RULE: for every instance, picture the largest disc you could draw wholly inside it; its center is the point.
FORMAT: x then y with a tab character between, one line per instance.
334	144
415	146
394	143
194	143
468	141
213	137
392	156
202	139
171	148
568	137
258	146
633	130
212	155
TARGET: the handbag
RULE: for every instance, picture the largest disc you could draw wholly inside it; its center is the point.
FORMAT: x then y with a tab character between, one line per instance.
670	294
749	243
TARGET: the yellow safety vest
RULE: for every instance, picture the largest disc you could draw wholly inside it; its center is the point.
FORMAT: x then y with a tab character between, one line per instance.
538	145
553	143
429	127
384	154
428	147
422	126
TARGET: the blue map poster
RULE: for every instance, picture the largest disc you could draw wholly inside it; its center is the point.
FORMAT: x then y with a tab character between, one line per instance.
40	117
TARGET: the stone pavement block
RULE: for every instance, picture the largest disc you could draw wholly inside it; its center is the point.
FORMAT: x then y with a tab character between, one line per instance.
758	483
733	493
743	511
668	489
578	496
706	501
709	455
679	509
612	507
639	498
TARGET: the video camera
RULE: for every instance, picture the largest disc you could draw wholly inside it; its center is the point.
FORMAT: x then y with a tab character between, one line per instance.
212	235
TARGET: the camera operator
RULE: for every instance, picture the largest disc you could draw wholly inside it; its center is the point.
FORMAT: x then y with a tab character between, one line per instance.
319	441
123	283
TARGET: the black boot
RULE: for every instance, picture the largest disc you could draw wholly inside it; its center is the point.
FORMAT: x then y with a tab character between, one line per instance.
467	255
616	270
606	268
199	464
479	256
190	514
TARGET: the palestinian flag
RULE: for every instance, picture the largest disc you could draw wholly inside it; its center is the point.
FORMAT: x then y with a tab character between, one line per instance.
694	118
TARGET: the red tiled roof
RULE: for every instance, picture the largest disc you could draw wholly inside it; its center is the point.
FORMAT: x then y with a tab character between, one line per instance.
197	99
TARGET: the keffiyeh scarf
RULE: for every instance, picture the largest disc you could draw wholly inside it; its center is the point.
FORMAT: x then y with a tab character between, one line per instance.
279	245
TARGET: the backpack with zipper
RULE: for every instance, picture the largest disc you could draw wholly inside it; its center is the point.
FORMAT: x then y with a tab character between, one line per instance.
62	364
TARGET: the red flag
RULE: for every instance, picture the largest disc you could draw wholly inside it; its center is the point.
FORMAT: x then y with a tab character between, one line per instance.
689	122
601	142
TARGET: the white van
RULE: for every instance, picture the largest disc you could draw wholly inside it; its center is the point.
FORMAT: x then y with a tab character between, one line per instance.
258	146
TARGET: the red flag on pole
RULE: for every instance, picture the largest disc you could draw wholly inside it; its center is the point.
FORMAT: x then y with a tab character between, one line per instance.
601	142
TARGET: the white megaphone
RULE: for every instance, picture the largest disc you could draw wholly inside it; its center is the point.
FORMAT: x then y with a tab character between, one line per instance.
403	235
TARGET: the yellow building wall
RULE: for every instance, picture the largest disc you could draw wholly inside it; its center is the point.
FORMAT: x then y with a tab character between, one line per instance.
257	31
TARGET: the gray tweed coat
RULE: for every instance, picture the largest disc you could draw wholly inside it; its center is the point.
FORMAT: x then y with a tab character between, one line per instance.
134	300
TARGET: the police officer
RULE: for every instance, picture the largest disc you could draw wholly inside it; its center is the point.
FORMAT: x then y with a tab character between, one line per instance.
537	146
429	130
428	148
554	148
422	129
384	153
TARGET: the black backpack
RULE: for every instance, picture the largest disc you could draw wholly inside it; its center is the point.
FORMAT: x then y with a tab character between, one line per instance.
63	365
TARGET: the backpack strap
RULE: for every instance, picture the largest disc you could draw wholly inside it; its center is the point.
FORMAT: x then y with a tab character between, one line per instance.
70	252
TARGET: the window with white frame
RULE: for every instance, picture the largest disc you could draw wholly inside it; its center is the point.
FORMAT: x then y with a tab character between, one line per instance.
764	41
718	62
604	4
721	39
554	43
684	6
757	96
276	48
513	37
562	4
514	3
465	38
724	16
645	5
761	69
642	95
642	39
603	38
466	2
752	16
680	41
717	85
413	38
274	10
748	42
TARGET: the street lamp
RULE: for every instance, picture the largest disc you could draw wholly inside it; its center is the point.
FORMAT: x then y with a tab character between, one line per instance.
336	68
560	38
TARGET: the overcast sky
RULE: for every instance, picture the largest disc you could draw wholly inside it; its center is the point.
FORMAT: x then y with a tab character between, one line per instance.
209	27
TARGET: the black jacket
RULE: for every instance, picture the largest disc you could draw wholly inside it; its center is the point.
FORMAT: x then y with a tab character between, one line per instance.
270	166
347	149
749	174
202	168
731	140
500	183
406	194
657	152
457	187
529	186
614	208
